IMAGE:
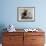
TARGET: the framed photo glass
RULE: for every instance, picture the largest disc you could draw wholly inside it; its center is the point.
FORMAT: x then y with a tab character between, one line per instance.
26	14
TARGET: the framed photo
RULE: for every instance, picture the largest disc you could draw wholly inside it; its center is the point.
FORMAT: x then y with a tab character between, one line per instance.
26	14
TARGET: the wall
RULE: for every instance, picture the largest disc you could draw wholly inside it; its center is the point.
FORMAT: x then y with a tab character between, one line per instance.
9	13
